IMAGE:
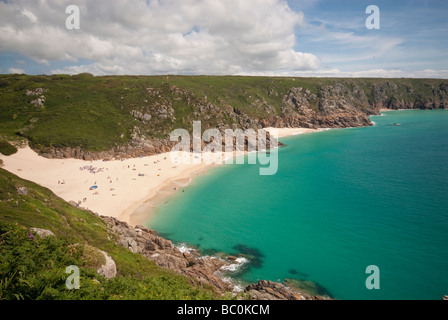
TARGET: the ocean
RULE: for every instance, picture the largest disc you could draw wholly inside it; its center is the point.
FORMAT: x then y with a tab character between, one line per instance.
342	200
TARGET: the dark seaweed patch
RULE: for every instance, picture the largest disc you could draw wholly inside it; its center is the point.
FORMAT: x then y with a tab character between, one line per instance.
253	254
297	273
209	252
308	287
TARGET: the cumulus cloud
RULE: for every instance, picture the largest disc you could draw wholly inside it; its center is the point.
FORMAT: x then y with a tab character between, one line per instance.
16	70
158	37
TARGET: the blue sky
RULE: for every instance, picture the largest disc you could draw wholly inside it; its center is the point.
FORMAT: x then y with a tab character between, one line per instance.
257	37
412	35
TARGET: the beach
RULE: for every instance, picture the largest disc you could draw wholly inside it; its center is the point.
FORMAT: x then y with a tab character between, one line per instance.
126	189
285	132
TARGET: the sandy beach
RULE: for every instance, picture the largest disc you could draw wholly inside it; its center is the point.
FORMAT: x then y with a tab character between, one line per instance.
285	132
125	189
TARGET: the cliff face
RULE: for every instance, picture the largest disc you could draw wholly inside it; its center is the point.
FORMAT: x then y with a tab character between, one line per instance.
106	117
334	106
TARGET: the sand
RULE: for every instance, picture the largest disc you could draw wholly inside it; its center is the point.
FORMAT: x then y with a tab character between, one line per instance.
126	189
284	132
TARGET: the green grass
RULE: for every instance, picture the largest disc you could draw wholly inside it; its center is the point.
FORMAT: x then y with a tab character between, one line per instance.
94	113
35	268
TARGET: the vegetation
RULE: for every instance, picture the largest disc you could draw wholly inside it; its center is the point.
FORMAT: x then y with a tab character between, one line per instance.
34	268
6	148
95	113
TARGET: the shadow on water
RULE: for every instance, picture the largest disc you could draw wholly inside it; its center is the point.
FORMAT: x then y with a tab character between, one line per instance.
297	273
307	287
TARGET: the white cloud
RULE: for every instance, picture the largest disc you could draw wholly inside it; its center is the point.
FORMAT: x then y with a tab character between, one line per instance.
16	70
376	73
133	37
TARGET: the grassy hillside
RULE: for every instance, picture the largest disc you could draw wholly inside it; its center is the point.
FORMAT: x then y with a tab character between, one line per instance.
34	268
102	113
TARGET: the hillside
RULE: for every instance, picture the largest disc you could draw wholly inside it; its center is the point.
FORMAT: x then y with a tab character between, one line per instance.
89	117
33	266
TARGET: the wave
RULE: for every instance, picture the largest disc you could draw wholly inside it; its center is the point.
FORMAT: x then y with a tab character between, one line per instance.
239	262
183	248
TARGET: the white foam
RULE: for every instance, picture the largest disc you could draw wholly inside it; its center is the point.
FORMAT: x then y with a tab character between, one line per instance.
236	287
183	248
235	266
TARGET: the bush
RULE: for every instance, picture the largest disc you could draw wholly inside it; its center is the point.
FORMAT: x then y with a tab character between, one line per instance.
32	268
6	148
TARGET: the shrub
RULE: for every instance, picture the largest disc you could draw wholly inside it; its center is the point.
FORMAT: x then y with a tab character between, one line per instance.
6	148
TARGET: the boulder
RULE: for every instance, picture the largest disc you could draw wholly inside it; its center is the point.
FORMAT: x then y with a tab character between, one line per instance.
43	233
109	269
129	243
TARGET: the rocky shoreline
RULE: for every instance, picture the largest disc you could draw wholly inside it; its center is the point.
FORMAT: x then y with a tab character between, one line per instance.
210	270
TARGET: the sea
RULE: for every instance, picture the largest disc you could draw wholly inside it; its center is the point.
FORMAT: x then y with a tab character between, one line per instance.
355	213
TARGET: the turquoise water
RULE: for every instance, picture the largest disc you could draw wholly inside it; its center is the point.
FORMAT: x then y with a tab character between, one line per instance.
341	200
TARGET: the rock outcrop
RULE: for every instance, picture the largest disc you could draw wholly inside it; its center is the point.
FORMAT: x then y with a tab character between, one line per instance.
38	94
146	242
201	269
108	269
269	290
43	233
22	191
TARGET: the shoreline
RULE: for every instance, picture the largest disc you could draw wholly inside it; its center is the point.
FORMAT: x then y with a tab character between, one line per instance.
146	210
128	189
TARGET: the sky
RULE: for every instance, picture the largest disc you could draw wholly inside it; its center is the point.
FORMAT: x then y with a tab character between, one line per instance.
313	38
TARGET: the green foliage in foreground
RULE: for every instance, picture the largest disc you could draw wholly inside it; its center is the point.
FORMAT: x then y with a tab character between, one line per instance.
34	268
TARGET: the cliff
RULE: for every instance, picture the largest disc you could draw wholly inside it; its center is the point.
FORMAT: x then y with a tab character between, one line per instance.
90	117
